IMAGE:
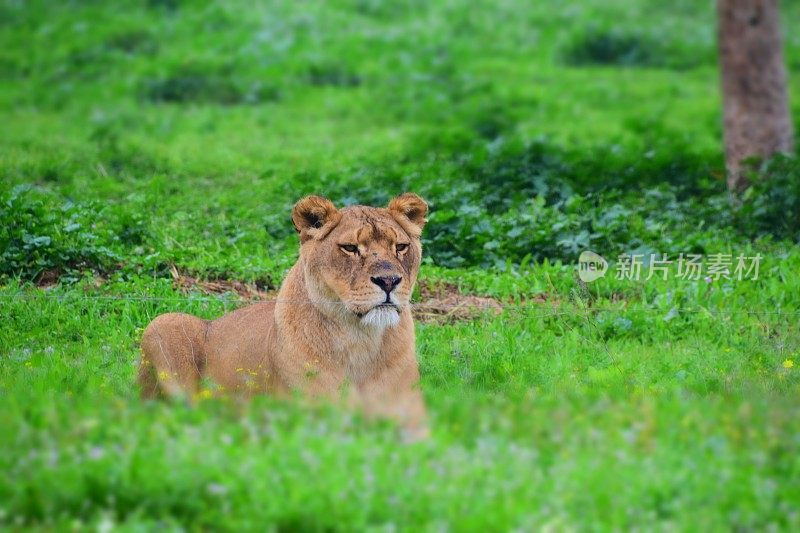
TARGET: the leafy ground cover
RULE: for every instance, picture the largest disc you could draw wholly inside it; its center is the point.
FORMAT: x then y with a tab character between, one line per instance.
150	137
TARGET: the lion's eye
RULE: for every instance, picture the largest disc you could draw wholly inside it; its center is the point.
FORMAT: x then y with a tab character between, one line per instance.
401	247
349	248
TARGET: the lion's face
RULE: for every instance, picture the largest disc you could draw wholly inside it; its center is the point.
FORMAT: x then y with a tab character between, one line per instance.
364	259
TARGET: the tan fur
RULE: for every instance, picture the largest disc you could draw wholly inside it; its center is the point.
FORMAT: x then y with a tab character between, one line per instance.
327	335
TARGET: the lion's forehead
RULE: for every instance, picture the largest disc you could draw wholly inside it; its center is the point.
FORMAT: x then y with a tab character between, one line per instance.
370	224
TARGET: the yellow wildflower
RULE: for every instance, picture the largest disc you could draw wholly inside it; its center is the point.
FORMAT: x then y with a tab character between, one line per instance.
788	363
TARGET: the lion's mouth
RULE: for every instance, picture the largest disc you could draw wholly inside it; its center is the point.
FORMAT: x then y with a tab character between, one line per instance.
381	306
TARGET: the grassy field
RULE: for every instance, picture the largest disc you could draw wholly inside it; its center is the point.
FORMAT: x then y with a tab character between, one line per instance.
140	138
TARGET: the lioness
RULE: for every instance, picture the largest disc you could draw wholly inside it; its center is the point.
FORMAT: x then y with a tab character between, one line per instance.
341	327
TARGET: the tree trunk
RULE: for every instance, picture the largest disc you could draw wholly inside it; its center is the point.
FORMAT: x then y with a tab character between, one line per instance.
756	109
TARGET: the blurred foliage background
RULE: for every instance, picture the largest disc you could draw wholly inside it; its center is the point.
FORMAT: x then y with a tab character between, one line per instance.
534	132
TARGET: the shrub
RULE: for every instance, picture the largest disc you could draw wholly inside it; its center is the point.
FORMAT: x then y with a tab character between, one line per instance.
772	203
626	48
133	42
612	47
41	234
650	221
332	75
195	84
519	202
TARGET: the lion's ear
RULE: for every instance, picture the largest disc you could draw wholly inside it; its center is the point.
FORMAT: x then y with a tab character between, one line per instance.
409	207
311	214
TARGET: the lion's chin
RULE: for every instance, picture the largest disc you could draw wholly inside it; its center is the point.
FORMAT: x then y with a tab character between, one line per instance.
382	316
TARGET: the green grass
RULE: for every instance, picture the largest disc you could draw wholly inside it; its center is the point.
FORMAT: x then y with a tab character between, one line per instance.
149	134
602	416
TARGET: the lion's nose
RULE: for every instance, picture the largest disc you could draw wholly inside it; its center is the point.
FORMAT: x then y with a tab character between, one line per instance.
387	283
